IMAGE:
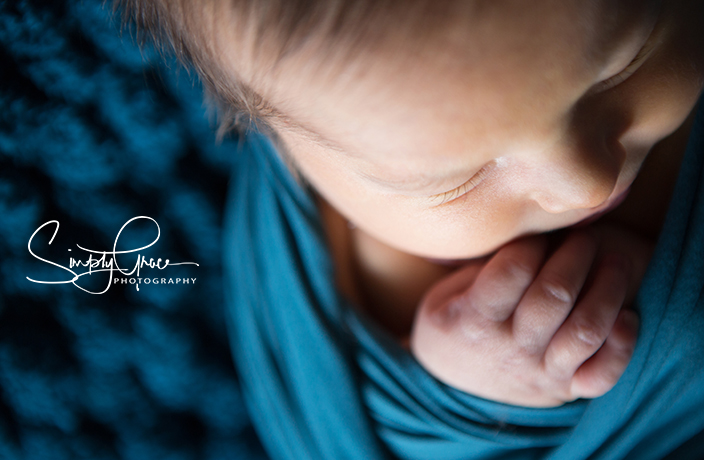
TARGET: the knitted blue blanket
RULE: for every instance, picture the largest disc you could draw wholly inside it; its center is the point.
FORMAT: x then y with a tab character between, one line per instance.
94	132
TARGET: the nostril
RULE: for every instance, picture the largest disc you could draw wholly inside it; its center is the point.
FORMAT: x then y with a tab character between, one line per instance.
550	204
565	192
594	193
578	173
573	201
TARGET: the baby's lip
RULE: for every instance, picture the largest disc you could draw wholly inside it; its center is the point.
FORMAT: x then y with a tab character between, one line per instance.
614	203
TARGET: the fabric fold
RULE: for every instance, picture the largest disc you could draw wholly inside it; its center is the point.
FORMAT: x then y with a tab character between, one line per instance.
323	381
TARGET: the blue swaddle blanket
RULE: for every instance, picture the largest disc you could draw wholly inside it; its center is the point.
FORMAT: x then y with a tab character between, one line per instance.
322	381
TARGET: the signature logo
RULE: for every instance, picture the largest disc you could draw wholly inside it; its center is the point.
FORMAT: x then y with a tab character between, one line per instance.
105	261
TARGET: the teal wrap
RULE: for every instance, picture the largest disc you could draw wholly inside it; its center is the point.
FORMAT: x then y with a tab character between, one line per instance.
321	381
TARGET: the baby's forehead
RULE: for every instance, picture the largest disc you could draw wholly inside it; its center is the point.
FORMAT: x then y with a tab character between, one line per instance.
484	31
260	53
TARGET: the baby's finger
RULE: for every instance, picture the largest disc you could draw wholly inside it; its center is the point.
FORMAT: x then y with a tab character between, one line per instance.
504	279
591	321
601	372
554	292
437	305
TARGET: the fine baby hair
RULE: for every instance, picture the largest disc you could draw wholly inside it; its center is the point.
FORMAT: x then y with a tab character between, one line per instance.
265	32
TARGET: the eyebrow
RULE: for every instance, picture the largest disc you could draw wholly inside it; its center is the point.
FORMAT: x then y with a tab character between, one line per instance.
408	184
287	122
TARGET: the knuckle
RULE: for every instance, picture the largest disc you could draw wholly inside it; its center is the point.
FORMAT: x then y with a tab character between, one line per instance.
609	376
511	269
528	339
598	384
530	346
589	332
443	315
471	325
477	330
560	365
557	290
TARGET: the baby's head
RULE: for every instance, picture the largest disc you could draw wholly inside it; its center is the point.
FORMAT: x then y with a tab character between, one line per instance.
448	128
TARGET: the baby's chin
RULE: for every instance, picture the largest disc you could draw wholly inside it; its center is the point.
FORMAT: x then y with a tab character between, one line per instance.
453	263
463	259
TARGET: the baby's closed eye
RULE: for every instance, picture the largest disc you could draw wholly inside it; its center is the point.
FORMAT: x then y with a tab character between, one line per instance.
466	187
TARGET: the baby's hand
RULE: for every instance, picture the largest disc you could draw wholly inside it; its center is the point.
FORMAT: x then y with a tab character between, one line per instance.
532	332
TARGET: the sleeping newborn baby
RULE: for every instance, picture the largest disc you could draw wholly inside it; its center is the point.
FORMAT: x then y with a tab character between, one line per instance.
446	144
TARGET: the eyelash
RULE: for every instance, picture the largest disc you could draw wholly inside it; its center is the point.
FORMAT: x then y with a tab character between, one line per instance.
628	71
453	194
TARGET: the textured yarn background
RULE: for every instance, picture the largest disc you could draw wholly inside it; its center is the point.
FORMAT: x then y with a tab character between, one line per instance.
93	132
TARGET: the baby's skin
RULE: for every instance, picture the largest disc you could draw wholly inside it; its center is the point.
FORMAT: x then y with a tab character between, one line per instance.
534	326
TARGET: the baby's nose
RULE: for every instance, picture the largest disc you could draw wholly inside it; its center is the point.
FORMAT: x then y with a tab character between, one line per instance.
577	175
